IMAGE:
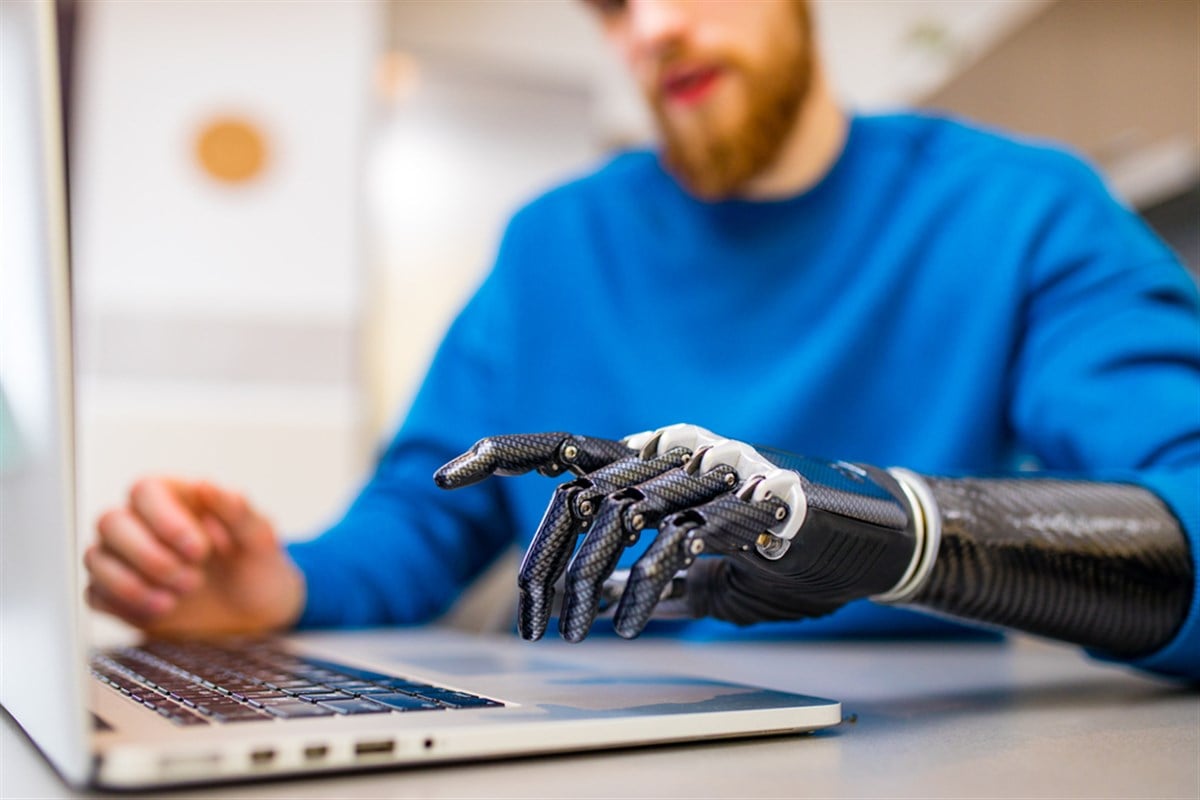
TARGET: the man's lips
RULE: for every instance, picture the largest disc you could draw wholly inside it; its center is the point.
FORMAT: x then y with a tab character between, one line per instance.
689	86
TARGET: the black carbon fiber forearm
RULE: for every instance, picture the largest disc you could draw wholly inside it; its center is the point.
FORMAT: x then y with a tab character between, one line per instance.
1098	564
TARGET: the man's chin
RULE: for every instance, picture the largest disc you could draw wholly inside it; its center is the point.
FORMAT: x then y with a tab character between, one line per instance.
704	180
711	147
706	164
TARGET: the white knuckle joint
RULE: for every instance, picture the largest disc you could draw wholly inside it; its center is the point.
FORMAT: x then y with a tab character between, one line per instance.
748	463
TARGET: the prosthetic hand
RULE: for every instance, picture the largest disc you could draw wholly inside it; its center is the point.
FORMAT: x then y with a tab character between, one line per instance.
749	534
798	537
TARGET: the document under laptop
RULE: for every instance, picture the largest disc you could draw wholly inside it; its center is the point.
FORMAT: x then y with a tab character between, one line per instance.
188	712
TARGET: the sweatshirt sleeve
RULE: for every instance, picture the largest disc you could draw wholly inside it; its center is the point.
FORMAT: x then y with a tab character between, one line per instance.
405	549
1107	377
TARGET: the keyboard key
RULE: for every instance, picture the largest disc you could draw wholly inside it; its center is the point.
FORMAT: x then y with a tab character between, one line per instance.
355	706
320	675
404	685
240	714
441	695
298	708
350	684
188	719
470	701
321	698
403	702
455	699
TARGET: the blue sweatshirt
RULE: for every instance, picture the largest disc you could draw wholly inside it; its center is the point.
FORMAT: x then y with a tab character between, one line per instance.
944	299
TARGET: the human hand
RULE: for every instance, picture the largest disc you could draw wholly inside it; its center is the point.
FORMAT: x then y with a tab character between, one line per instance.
762	535
191	558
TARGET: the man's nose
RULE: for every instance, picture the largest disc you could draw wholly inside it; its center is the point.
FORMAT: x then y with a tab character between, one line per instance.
656	26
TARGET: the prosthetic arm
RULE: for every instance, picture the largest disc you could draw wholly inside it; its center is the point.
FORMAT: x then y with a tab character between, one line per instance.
747	534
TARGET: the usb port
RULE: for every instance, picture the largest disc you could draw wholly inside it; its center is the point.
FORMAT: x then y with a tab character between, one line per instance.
262	756
315	752
375	748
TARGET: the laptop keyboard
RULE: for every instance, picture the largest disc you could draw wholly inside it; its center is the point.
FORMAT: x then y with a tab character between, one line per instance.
193	683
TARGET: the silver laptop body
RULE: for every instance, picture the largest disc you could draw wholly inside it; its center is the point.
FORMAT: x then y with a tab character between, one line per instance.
483	697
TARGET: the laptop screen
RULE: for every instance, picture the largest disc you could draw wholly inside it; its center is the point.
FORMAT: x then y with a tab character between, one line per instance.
40	607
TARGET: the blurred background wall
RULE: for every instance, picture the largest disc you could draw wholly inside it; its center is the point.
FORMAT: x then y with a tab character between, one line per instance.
217	154
279	205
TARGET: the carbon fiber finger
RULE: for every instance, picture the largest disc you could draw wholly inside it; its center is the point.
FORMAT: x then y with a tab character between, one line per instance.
608	536
621	518
727	524
731	525
630	471
515	454
585	454
652	573
544	561
566	517
622	474
511	454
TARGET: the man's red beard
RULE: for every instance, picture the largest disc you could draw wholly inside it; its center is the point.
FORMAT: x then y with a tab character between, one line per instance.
713	161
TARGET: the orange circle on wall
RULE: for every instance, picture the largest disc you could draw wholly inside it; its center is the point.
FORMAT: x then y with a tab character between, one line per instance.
231	149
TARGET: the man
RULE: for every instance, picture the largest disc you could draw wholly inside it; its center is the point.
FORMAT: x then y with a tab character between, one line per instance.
894	291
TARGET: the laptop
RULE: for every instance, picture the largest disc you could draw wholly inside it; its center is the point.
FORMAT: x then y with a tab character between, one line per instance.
159	713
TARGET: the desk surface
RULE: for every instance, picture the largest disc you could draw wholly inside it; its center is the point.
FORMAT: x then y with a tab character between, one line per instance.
1023	719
